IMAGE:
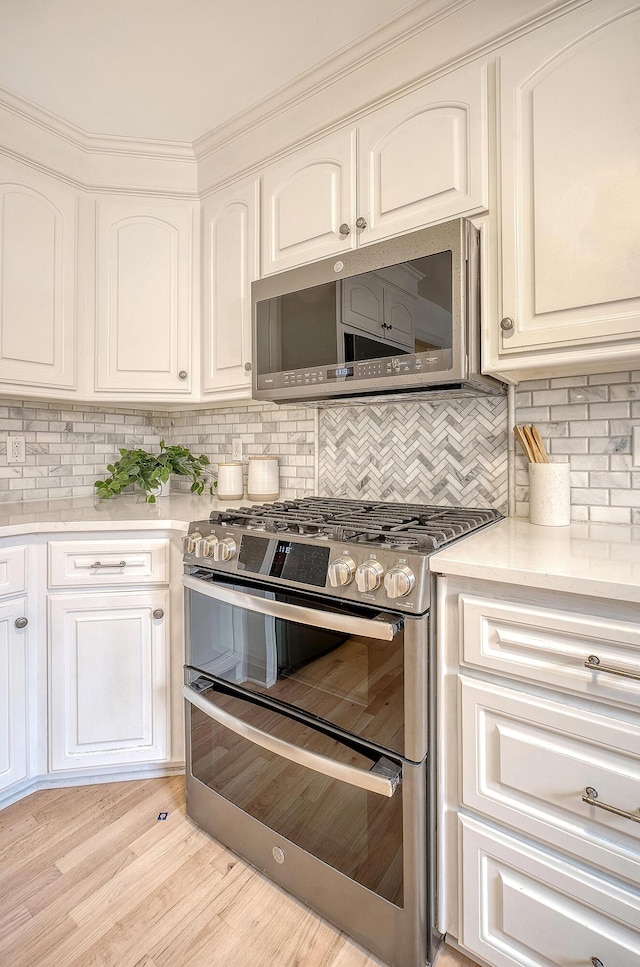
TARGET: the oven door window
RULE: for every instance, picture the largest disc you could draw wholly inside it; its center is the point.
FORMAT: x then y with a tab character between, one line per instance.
354	830
353	681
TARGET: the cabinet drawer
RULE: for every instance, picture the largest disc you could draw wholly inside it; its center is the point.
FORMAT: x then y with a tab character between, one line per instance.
550	648
102	563
533	762
523	906
13	570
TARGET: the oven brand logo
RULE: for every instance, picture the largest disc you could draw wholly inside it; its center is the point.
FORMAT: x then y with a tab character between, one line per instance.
278	854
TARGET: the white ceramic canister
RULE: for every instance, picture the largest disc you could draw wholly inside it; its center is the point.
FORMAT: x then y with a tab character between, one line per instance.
263	482
230	481
550	494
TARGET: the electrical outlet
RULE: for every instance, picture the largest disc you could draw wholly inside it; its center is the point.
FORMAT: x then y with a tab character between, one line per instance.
16	449
635	445
236	449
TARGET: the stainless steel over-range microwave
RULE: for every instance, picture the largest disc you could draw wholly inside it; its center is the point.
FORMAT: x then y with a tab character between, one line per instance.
400	315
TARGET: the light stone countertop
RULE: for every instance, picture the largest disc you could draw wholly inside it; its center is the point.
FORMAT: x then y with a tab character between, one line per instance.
593	559
119	513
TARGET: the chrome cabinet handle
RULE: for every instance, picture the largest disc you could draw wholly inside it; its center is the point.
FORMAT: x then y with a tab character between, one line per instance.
361	222
594	663
344	229
182	374
21	622
99	564
591	796
158	613
378	627
507	324
362	778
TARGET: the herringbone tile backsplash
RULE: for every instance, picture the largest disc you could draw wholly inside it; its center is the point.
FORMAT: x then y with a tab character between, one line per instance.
446	452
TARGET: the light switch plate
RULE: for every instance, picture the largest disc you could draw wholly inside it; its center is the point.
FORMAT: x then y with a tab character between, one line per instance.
635	445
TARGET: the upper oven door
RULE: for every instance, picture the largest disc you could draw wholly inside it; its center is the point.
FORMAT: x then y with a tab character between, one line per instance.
361	672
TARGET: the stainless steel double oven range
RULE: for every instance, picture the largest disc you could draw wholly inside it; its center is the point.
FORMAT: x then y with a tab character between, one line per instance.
310	705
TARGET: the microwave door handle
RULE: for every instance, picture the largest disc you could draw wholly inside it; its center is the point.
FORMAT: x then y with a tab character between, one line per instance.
362	778
384	627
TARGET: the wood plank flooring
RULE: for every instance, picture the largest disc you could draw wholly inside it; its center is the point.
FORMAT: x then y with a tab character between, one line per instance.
89	877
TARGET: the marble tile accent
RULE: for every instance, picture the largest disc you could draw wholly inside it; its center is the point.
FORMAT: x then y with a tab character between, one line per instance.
587	420
445	452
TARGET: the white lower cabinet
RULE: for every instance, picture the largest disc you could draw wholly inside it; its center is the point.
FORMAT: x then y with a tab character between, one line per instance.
109	679
523	906
14	710
539	774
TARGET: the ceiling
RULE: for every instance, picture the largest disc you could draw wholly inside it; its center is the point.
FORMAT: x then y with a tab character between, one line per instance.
170	69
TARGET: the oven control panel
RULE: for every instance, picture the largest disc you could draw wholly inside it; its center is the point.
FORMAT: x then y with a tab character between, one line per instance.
360	573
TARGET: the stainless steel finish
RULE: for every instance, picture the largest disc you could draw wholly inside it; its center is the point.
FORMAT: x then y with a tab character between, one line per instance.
191	542
21	622
158	613
186	544
591	799
344	229
361	222
594	663
507	324
224	549
341	571
384	627
98	564
182	374
399	581
368	576
248	367
369	780
208	545
596	962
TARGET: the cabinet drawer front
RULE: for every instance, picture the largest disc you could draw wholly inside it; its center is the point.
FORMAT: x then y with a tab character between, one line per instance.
101	563
550	648
13	570
533	762
522	906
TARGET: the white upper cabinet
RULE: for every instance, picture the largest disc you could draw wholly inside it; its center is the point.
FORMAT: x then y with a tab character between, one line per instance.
570	184
144	297
38	280
422	158
230	264
308	203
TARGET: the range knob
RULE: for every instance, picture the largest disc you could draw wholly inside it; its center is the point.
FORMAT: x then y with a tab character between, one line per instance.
369	576
189	543
341	571
206	546
399	580
224	549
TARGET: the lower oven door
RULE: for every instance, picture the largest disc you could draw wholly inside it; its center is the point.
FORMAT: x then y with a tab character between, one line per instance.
334	822
358	670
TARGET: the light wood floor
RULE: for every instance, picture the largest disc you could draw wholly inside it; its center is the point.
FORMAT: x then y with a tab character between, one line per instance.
89	877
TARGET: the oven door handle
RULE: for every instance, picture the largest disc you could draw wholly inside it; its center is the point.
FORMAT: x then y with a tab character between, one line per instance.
383	785
384	626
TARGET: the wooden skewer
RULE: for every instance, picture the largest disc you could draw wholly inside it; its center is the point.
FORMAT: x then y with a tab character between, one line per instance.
533	446
538	439
524	443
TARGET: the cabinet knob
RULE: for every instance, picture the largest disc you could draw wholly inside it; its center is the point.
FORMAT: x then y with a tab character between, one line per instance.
248	367
158	613
507	324
344	229
182	374
596	962
361	222
21	622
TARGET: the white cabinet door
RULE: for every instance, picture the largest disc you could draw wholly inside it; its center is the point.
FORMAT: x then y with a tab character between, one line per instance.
38	280
423	157
307	196
230	265
570	182
13	693
144	297
109	667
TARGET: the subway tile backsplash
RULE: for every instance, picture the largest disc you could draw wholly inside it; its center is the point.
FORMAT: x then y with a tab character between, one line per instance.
586	420
446	452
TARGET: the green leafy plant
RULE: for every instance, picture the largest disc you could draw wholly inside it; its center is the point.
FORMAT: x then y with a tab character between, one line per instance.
150	470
